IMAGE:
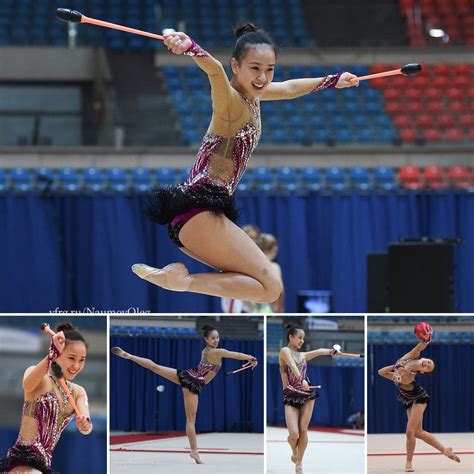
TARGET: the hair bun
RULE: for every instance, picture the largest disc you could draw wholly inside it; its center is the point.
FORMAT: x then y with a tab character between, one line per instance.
245	28
65	327
289	326
206	327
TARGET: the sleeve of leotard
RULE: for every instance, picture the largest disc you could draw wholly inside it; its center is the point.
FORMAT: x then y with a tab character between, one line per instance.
294	88
225	101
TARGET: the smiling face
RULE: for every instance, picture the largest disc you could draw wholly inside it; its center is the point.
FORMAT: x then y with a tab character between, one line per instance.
256	69
72	359
212	339
296	340
427	365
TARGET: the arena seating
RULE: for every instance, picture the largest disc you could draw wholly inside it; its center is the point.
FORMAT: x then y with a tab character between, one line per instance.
261	179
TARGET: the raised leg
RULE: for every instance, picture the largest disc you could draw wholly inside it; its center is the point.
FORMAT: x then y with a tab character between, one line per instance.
166	372
245	274
430	439
191	401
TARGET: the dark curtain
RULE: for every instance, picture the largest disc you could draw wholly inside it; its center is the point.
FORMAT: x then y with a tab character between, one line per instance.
450	386
341	394
74	453
228	403
75	252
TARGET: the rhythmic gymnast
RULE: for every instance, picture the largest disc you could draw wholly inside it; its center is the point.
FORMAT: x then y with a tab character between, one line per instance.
201	213
414	398
192	381
47	409
297	394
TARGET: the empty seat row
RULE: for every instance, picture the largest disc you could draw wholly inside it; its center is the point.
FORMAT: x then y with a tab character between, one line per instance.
152	331
92	180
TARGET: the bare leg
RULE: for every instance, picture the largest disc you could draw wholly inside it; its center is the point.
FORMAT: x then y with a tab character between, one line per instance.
166	372
415	417
246	273
292	416
306	413
191	401
428	438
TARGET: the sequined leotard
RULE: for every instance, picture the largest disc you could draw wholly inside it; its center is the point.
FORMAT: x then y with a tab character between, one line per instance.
195	379
226	148
296	396
43	421
412	393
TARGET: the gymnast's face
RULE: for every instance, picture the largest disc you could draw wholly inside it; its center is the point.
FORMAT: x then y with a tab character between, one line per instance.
212	339
255	71
72	359
427	365
297	340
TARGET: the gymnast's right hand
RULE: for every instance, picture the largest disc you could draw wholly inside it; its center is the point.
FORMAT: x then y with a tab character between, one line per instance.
178	42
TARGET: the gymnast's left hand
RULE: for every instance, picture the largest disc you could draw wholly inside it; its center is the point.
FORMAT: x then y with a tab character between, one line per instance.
178	43
83	423
253	362
345	81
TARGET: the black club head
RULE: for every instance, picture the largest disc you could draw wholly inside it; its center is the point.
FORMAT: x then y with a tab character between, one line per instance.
66	14
411	69
44	326
56	369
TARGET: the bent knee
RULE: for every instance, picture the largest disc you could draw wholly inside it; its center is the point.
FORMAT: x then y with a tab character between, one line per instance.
411	434
272	289
294	436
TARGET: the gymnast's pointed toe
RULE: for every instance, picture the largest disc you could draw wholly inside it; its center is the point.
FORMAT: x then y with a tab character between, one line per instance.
143	271
174	276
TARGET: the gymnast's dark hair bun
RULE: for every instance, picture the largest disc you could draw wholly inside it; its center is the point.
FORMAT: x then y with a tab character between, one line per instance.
71	333
245	28
65	327
208	329
292	329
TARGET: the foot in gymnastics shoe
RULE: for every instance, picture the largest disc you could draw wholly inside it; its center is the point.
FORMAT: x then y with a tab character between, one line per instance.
449	453
118	351
174	276
409	467
195	456
299	467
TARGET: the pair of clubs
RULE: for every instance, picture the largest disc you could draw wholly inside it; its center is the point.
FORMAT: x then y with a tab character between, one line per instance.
74	16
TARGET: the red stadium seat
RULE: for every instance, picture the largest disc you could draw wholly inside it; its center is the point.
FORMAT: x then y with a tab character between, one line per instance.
466	120
435	107
391	94
402	121
422	81
394	107
460	176
441	82
470	93
400	82
470	134
433	93
441	69
375	68
462	69
432	135
424	121
435	177
413	94
458	106
454	135
462	81
446	121
407	135
410	177
454	93
414	107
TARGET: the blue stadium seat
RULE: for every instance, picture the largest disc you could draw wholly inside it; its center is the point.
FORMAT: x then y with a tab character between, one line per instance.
263	179
360	178
336	179
279	137
245	184
183	174
21	180
365	136
165	176
385	178
118	180
3	181
69	181
310	179
141	180
287	179
343	136
44	180
94	180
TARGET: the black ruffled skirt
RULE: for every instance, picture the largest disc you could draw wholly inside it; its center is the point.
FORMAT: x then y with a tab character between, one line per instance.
409	397
168	203
297	399
191	382
23	455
